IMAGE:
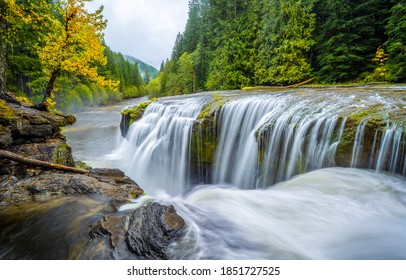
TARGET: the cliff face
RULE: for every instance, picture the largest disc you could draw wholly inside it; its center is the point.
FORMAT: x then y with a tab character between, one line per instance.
33	134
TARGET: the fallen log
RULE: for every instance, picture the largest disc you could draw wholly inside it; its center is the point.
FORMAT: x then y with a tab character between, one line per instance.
34	162
300	84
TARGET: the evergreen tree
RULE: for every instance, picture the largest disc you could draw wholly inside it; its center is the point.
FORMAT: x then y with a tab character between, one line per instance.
396	30
234	26
286	38
23	25
186	73
349	37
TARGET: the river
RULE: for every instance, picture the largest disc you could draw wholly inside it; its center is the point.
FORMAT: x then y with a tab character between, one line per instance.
96	133
317	211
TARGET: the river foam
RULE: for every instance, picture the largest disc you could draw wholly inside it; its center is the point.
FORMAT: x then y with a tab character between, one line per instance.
334	213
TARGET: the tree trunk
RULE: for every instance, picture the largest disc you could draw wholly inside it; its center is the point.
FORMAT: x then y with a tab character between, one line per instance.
34	162
300	84
49	90
3	58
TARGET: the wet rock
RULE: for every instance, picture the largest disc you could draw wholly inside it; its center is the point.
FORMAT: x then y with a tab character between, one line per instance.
123	186
125	124
132	114
34	134
28	125
152	229
5	136
107	172
114	227
53	150
48	185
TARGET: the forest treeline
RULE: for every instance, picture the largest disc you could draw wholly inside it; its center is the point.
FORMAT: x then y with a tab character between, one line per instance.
230	44
52	52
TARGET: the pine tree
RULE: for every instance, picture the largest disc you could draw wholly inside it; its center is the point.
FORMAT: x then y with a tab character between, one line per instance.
396	30
234	26
286	38
349	34
23	25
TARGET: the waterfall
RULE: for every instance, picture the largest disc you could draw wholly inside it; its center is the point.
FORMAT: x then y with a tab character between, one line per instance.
391	153
156	150
358	143
261	139
296	134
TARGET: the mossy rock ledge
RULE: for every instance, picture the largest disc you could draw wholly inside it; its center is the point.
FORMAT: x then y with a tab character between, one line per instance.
131	114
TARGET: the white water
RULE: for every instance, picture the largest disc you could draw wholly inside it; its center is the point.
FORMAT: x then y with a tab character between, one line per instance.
262	139
392	150
157	150
334	213
299	136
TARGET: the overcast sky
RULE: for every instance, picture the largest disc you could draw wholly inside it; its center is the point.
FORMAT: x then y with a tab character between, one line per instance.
145	29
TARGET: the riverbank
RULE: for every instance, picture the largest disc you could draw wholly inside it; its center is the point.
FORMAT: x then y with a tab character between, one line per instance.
35	136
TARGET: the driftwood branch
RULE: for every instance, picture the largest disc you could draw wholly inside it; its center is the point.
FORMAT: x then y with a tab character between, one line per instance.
34	162
302	83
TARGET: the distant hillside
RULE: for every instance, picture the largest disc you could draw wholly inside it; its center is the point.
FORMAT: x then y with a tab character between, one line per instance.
143	67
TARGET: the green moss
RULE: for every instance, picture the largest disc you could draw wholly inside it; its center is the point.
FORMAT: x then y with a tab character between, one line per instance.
61	154
204	141
135	113
375	117
82	165
214	105
6	112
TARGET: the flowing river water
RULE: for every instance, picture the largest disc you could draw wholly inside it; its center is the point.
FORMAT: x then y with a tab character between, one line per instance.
289	201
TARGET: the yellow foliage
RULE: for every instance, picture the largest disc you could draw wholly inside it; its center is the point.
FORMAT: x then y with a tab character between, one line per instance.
380	56
24	100
379	74
50	102
76	43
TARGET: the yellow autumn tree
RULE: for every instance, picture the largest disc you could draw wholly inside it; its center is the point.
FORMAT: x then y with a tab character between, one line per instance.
74	48
380	72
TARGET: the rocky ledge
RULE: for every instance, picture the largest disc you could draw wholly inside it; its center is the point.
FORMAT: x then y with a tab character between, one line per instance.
35	136
46	185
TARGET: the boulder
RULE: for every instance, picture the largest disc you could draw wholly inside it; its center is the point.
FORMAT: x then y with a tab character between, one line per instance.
152	229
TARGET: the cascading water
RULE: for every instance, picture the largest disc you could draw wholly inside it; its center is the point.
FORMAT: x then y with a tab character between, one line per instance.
259	140
235	141
296	134
157	150
391	153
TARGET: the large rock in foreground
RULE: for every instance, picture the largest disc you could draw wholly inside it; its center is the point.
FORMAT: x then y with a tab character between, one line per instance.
152	229
145	234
